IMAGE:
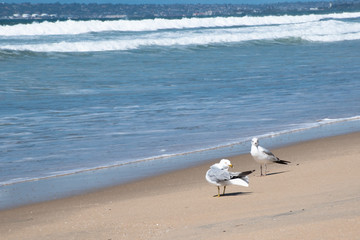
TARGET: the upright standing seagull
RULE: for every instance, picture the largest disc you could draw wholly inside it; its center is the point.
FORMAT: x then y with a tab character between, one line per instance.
219	175
263	156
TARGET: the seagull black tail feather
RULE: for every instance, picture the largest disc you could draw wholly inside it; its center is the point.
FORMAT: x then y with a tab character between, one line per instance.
282	162
240	174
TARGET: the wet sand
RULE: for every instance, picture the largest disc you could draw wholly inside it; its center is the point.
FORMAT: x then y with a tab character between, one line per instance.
317	196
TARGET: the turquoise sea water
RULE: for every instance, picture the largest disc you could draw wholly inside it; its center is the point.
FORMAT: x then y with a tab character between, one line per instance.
78	97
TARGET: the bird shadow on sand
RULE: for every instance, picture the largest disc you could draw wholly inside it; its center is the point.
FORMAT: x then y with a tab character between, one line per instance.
275	173
232	194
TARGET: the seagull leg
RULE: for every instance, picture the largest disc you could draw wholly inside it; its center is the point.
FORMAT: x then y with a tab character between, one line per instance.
218	191
224	190
265	169
261	170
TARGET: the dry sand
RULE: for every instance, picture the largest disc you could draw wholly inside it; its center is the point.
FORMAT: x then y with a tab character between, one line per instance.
317	197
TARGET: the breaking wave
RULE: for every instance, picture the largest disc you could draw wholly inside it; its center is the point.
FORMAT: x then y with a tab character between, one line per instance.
90	36
80	27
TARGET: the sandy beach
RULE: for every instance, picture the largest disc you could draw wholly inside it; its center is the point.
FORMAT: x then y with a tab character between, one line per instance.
317	196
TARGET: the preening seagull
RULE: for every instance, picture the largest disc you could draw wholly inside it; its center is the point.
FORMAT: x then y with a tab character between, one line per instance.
263	156
219	175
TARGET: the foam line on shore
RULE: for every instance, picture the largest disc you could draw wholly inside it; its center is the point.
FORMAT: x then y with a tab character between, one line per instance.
201	152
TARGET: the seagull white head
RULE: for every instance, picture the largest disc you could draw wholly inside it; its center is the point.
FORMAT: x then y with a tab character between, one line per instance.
255	142
225	163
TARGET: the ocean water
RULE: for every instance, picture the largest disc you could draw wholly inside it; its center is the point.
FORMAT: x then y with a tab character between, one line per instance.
87	97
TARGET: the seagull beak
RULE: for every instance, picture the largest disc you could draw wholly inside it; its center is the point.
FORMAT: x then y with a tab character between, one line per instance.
231	166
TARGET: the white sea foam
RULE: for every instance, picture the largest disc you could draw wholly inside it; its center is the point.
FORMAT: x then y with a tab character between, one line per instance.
80	27
310	125
297	128
321	31
77	91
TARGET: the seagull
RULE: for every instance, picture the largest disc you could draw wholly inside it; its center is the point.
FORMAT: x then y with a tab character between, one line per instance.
219	175
263	156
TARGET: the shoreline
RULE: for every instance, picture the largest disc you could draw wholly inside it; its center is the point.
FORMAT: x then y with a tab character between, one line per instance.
89	180
313	196
313	131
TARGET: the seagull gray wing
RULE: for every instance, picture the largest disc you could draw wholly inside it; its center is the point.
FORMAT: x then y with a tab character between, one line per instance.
218	175
272	156
266	151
